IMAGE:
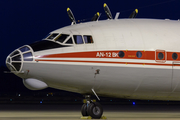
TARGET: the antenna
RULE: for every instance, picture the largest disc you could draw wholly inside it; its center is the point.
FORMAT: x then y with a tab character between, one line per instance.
107	11
117	15
134	13
96	17
71	16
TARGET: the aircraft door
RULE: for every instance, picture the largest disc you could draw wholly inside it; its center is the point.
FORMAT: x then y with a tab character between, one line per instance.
162	73
176	77
160	56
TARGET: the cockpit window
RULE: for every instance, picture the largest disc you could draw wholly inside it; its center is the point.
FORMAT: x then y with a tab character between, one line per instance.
78	39
69	41
88	39
24	49
61	38
45	45
52	36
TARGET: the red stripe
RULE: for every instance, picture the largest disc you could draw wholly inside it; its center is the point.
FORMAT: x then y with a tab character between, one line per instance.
103	54
146	55
159	64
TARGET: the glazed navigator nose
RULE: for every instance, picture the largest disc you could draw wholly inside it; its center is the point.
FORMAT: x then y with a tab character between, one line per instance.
16	59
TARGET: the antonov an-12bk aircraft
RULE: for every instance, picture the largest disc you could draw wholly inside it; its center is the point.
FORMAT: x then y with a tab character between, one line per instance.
125	58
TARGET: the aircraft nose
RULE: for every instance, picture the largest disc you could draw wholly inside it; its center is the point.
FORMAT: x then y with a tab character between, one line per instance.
15	60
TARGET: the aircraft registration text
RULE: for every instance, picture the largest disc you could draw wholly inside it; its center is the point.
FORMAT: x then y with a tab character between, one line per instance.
107	54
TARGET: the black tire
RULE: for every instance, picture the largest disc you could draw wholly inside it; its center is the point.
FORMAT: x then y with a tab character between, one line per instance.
95	110
84	110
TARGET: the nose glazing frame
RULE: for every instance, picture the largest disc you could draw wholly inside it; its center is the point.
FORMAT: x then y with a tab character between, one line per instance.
16	59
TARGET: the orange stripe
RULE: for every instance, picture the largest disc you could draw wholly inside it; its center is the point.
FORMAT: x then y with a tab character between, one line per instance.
146	55
150	55
109	62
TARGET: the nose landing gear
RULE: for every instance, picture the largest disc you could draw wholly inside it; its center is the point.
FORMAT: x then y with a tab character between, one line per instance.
92	109
95	110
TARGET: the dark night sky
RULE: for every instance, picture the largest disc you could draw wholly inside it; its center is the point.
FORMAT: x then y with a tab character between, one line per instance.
26	21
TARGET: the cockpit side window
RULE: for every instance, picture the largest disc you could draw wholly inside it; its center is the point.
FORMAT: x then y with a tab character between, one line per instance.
78	39
88	39
52	36
69	41
61	38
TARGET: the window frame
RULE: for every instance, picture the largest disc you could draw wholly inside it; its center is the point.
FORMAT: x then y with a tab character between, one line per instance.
52	34
59	36
138	53
70	36
81	37
161	60
174	55
121	56
87	42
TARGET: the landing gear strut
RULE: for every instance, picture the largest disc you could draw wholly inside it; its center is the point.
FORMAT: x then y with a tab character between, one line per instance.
90	108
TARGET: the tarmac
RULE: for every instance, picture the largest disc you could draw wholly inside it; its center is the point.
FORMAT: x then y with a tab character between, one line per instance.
72	112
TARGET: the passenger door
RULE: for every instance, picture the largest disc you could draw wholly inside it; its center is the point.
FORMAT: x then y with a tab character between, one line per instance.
162	72
160	56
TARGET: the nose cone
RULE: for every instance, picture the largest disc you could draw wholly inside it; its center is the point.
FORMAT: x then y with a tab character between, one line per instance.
15	60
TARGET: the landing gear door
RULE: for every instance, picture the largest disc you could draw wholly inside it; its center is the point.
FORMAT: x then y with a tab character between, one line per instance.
97	77
176	77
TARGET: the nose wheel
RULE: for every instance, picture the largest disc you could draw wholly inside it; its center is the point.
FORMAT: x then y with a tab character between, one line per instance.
93	109
84	110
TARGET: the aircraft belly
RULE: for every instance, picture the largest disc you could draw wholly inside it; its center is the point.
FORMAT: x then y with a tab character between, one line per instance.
67	77
130	82
176	77
118	81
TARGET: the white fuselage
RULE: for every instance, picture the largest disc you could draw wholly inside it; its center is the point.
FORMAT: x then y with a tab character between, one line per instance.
98	65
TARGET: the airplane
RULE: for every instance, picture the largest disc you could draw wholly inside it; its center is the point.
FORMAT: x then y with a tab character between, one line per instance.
127	58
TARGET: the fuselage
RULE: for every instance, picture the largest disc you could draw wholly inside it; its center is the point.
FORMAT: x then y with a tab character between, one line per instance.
126	58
